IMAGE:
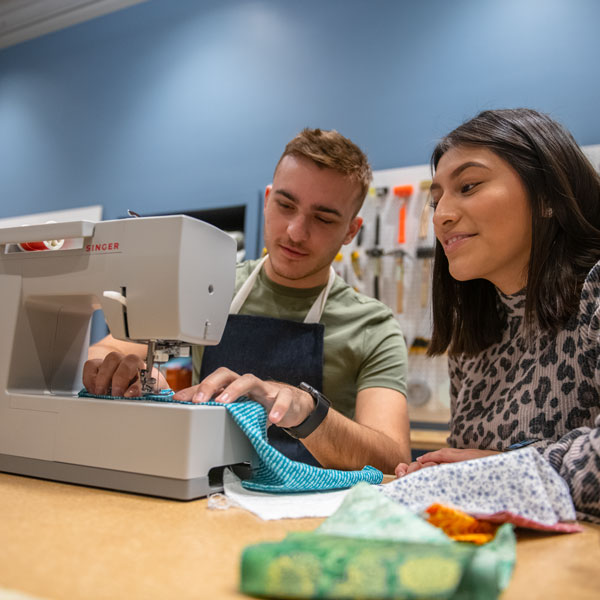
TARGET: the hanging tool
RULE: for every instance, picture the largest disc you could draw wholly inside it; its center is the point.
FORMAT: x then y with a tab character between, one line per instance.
425	255
403	192
424	221
400	255
355	260
379	194
355	255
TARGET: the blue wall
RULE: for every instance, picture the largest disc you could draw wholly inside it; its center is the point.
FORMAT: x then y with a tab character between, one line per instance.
178	105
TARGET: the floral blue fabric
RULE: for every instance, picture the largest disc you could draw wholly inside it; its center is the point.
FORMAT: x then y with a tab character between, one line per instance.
520	482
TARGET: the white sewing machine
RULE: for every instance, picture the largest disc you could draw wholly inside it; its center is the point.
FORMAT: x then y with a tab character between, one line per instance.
164	280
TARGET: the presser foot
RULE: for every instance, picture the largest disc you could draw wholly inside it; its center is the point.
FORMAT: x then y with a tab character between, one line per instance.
149	383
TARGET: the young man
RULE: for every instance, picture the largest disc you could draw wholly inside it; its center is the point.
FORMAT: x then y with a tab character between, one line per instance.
296	330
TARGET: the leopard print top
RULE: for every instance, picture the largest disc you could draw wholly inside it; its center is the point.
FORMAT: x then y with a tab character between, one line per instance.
548	391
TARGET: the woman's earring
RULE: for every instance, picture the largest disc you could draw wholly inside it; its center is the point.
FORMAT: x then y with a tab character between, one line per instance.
547	213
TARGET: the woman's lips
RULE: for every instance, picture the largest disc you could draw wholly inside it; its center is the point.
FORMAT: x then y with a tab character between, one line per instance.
455	241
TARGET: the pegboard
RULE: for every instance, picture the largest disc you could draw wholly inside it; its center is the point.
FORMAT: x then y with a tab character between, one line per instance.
593	153
392	261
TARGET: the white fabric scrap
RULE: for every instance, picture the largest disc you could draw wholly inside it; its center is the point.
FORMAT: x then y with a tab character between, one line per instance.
281	506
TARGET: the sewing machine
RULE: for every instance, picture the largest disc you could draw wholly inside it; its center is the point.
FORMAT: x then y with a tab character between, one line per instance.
163	281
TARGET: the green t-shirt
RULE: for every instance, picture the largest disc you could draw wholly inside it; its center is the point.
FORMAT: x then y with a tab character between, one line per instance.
363	344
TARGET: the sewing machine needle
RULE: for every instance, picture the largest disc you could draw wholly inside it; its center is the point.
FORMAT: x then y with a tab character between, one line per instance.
147	373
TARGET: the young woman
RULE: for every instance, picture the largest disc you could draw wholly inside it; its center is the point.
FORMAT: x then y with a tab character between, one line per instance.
516	295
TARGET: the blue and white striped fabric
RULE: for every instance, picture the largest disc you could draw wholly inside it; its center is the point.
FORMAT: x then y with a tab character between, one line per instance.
275	472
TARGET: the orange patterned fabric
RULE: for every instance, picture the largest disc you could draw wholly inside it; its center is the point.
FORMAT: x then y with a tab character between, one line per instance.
460	526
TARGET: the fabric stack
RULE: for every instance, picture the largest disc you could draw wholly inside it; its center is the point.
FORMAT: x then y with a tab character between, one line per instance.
442	532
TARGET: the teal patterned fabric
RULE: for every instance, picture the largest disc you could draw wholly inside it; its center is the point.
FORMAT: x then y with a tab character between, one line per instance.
275	472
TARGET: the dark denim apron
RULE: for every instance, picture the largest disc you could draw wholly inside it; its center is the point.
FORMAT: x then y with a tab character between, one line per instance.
277	349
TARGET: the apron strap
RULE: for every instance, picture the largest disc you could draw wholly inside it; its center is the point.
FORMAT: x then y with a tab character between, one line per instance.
245	290
316	310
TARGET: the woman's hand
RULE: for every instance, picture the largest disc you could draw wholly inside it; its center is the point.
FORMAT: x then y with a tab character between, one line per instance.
405	469
442	456
450	455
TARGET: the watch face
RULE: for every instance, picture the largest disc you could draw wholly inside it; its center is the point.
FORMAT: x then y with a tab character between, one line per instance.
308	388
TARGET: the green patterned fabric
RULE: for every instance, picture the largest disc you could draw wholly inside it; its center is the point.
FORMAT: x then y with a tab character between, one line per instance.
367	513
373	548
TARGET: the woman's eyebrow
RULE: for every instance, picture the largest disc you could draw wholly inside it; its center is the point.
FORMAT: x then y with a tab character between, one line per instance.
466	165
459	170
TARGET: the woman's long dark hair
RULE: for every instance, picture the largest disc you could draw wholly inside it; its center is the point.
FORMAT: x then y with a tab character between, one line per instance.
564	194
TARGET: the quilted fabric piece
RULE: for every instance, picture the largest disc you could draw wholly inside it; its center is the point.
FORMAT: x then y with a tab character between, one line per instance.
520	482
275	472
369	548
307	565
365	513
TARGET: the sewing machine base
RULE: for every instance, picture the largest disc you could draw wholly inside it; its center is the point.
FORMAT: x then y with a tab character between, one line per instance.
149	485
153	448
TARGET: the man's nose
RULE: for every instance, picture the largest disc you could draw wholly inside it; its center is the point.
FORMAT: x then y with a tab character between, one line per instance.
298	228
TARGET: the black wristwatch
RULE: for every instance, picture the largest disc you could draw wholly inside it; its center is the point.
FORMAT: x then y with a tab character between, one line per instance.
315	418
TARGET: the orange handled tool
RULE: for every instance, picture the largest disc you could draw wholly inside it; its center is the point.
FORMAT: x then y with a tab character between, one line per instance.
402	191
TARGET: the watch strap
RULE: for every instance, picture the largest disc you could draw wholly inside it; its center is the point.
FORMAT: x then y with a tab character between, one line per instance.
315	418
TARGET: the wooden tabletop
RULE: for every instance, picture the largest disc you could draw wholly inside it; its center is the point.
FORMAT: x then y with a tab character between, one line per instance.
428	439
66	542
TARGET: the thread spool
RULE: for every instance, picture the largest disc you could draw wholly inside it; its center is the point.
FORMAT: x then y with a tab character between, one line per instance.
45	245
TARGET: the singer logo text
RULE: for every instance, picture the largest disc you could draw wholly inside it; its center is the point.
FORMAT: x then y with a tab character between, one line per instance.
105	247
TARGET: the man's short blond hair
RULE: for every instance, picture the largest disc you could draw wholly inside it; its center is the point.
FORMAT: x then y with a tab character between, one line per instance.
331	150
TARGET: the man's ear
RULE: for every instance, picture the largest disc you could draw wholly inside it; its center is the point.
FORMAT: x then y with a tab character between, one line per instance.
353	229
268	193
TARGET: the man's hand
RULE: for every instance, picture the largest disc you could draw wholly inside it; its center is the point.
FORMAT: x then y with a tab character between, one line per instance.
114	368
438	457
339	442
286	406
116	375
